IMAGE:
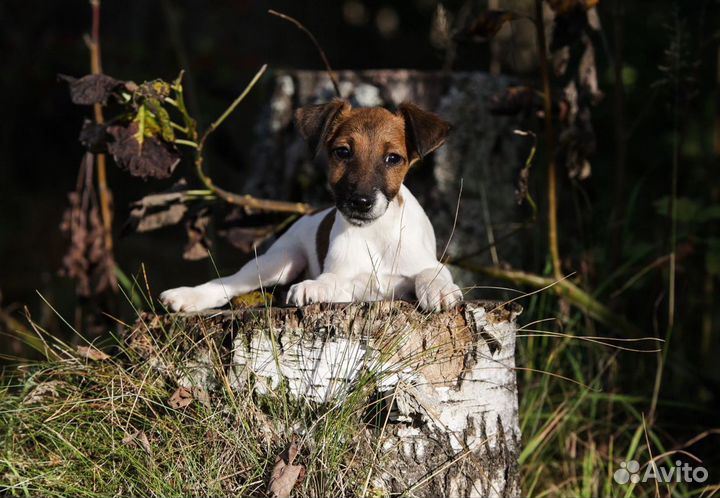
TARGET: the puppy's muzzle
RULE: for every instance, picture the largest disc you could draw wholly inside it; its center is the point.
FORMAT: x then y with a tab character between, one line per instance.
361	203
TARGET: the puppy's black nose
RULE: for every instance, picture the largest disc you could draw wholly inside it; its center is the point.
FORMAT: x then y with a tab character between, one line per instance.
361	203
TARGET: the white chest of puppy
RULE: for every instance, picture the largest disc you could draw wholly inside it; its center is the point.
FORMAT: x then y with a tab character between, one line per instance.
376	243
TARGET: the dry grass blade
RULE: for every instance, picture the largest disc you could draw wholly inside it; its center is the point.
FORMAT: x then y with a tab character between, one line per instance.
92	353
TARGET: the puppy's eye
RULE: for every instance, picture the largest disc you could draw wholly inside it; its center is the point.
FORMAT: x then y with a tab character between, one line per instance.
393	159
342	152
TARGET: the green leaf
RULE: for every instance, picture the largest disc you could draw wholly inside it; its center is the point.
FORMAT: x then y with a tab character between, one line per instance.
139	119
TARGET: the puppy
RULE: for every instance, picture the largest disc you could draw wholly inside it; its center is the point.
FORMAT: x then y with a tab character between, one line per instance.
376	243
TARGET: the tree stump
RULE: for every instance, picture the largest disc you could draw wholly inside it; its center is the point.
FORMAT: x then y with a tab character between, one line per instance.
449	423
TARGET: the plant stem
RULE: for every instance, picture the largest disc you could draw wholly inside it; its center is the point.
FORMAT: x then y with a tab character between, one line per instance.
550	140
562	288
215	124
324	58
239	200
104	191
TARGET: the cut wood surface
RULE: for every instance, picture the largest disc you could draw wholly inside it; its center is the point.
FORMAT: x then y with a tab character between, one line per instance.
451	423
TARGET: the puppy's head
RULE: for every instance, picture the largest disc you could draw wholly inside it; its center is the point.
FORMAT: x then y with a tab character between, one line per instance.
369	151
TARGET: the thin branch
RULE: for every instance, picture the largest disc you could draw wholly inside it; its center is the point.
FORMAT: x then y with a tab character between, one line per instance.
302	28
103	190
240	200
563	288
550	139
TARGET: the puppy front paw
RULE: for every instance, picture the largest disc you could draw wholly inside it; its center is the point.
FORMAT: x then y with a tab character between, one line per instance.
315	291
438	295
197	298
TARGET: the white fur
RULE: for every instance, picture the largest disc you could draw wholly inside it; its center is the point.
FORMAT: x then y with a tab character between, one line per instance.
391	257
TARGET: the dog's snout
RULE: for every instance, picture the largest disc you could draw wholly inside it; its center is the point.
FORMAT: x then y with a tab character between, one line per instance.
361	202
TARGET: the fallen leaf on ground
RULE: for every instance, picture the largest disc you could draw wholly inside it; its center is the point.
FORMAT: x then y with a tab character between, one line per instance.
285	475
92	353
44	390
138	438
181	398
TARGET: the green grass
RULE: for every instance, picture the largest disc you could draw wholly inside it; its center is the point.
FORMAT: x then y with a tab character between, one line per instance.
71	426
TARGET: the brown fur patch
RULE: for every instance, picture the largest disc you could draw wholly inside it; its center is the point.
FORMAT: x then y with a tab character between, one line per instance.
371	134
322	238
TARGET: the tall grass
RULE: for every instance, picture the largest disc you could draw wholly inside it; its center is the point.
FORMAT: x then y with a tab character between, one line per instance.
70	425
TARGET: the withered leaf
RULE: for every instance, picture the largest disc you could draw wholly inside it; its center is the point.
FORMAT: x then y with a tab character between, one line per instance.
247	238
157	210
198	244
138	438
285	475
44	390
94	137
91	89
152	158
181	398
485	26
87	259
92	353
201	395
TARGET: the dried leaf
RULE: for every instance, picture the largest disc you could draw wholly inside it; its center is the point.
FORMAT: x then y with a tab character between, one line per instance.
92	88
138	438
247	238
201	395
198	244
285	475
151	158
94	137
181	398
157	211
44	390
92	353
87	260
485	26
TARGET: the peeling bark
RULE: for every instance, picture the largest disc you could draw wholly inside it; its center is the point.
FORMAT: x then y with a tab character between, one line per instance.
452	410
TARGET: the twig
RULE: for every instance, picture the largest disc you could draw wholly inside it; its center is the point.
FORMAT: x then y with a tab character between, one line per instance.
103	190
302	28
564	288
550	139
240	200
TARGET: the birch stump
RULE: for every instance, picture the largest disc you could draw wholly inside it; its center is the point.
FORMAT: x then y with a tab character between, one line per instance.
451	421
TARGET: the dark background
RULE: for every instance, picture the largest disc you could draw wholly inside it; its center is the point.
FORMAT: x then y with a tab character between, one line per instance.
221	44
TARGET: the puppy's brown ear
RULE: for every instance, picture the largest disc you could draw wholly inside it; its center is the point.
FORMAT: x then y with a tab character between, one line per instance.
315	122
424	131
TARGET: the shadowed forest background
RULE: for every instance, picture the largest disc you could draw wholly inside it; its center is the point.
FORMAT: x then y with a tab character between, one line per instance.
658	68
